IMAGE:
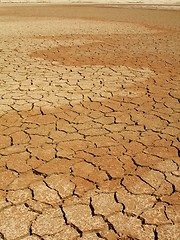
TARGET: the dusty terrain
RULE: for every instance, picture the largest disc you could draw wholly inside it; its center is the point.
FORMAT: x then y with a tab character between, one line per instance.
89	123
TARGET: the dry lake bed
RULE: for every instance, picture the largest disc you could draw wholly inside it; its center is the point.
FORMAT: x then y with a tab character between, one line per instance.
89	123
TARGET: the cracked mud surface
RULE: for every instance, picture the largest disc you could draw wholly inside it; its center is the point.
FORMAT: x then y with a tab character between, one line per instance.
89	124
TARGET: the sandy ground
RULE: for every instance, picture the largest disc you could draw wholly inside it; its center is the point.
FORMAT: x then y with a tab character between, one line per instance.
89	123
167	2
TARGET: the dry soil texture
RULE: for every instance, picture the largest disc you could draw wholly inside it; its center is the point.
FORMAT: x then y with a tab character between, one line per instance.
89	123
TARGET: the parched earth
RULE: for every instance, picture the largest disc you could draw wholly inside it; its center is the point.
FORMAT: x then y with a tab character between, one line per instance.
89	123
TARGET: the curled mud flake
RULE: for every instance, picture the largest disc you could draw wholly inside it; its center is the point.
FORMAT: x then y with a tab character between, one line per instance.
156	215
170	231
173	199
56	165
82	185
62	184
67	233
105	204
3	200
6	178
89	172
49	222
136	185
18	162
81	216
130	226
45	194
173	213
20	137
5	141
19	196
23	180
135	204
